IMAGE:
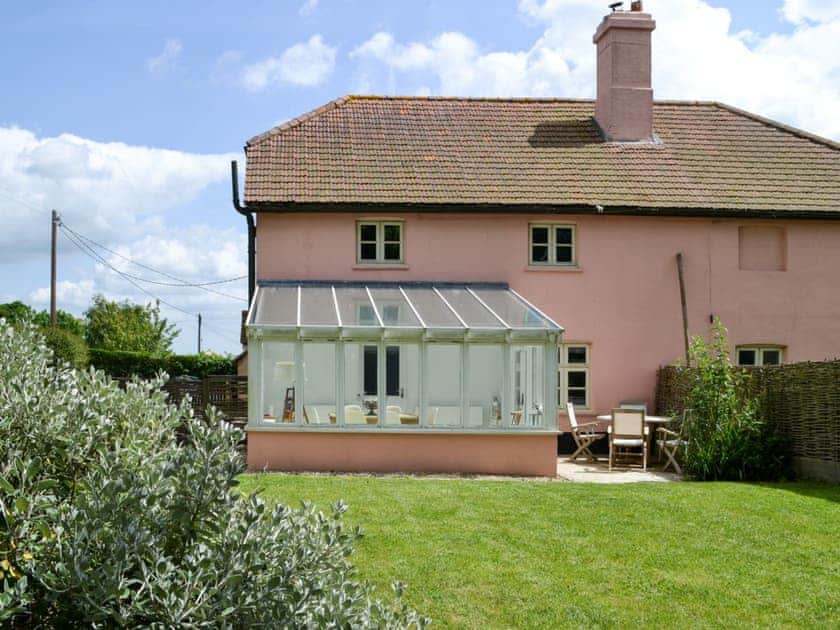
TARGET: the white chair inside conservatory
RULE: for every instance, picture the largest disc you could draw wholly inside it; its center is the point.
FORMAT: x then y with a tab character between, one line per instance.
432	415
310	415
353	415
392	414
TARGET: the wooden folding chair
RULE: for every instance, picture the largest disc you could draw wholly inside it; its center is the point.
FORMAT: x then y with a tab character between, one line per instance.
671	442
584	435
628	431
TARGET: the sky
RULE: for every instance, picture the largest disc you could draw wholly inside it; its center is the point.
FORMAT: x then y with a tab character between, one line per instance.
125	116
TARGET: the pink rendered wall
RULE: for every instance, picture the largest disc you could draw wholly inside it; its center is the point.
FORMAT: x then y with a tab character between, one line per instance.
529	455
624	297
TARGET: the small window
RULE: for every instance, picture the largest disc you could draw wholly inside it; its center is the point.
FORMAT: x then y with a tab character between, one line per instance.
552	244
379	242
573	376
759	355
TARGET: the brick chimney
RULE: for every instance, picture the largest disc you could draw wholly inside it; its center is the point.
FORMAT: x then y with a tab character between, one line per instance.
624	107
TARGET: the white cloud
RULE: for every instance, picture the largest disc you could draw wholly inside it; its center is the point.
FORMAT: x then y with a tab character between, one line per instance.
307	63
799	11
793	77
72	295
167	60
308	7
103	189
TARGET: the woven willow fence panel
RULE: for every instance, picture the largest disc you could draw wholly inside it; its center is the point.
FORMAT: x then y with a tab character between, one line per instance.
801	399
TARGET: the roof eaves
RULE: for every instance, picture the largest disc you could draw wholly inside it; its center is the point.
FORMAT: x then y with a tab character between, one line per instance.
544	208
801	133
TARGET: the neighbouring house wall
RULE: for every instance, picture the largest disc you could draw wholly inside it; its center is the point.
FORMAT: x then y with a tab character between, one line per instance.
623	297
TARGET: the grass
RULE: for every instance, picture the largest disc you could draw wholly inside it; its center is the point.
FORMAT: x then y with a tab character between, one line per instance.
502	554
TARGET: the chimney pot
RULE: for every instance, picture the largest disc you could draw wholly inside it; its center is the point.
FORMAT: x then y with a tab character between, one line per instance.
636	5
624	104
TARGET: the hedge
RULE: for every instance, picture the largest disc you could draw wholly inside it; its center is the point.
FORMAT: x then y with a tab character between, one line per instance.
66	346
120	363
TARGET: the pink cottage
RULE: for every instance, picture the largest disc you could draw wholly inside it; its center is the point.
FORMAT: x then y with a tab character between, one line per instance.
437	277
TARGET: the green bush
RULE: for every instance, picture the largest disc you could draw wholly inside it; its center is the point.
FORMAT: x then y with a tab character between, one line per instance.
66	347
726	436
108	520
144	365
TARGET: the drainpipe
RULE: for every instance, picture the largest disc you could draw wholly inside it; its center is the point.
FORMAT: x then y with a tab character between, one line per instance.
252	229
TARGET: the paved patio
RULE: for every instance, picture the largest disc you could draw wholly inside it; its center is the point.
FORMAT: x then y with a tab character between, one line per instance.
599	472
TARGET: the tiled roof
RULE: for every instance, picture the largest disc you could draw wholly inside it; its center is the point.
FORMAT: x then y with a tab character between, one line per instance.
366	149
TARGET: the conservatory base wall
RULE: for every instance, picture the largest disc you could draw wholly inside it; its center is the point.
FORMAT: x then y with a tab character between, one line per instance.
532	455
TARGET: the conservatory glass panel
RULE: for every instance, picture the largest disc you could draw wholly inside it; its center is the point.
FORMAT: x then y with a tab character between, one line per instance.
361	375
527	379
317	307
355	307
402	382
470	309
319	376
393	308
514	311
276	306
485	385
433	312
443	385
278	382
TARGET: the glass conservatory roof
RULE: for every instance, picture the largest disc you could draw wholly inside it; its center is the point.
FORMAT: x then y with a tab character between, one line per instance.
396	309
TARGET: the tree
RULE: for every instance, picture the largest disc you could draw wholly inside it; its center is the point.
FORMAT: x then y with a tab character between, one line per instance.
112	325
17	312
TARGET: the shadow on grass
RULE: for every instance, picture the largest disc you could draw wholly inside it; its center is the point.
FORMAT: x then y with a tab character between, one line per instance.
813	489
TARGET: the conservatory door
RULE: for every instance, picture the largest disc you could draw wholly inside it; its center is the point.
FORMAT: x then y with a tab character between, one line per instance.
526	381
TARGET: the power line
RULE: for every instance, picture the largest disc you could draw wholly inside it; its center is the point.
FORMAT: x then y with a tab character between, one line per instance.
90	252
181	283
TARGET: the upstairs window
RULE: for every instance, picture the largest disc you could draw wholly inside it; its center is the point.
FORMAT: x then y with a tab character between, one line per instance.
379	242
552	244
749	356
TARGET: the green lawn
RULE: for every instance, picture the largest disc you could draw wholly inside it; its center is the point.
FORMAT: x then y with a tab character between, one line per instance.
536	554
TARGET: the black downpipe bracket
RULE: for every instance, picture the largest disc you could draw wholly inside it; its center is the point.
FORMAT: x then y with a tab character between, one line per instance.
252	230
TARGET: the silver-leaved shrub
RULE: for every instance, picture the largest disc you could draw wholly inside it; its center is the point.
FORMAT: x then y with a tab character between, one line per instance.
119	509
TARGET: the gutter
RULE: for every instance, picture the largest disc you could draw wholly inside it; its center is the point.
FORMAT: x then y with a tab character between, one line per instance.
252	228
541	208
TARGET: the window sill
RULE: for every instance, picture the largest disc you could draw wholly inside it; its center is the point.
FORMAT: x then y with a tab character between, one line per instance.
555	268
389	266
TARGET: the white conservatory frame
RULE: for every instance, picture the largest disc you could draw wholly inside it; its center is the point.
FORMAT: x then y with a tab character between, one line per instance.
462	314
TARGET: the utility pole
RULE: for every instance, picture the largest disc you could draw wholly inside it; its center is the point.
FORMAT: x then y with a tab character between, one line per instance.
199	333
55	222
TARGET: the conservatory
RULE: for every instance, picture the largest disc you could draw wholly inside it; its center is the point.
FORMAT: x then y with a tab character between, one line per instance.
404	359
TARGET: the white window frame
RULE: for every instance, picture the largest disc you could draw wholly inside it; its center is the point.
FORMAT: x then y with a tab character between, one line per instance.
563	369
552	245
380	241
759	350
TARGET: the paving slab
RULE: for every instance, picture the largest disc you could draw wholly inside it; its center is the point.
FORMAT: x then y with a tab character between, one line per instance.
598	472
